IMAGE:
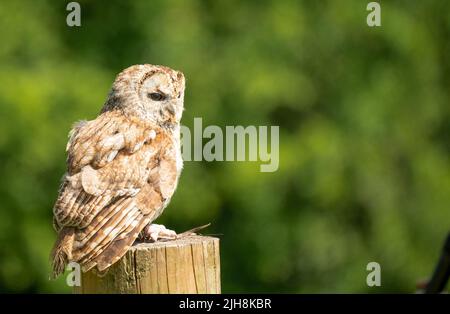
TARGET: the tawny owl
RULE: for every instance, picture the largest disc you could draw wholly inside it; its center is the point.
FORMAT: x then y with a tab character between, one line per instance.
122	169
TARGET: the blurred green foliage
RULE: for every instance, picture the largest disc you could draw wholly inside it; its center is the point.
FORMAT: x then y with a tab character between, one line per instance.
364	131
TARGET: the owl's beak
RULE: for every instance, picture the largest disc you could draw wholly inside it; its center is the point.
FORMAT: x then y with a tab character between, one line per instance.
171	109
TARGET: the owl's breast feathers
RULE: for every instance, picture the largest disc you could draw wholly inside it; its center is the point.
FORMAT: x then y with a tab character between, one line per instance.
121	174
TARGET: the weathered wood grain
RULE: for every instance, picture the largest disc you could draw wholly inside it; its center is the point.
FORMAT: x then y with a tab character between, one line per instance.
187	265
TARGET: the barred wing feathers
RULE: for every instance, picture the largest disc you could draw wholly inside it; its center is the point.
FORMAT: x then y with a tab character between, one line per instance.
121	173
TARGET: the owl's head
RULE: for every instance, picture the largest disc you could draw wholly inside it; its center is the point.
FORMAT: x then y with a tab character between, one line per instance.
150	92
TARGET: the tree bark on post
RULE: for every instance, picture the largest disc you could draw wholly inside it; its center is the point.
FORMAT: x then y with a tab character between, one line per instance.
187	265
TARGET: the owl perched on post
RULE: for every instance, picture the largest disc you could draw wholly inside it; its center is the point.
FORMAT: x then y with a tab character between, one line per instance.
122	169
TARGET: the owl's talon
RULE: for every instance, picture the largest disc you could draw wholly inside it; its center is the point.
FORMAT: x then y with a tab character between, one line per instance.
155	232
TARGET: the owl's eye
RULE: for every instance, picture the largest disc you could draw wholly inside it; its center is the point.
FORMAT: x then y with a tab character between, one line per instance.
156	96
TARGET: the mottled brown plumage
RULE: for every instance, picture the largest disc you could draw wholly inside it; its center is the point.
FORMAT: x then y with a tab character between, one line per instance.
122	169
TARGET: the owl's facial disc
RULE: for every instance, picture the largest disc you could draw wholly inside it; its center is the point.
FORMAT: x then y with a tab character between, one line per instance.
162	97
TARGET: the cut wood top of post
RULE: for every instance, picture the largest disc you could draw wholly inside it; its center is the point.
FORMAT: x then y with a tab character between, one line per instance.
187	240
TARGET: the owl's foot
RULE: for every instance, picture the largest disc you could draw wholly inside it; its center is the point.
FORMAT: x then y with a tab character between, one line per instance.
157	232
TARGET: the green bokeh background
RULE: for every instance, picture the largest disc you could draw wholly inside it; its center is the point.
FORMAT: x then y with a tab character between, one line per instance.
364	120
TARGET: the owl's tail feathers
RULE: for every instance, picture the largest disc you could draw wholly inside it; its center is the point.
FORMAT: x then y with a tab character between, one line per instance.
61	253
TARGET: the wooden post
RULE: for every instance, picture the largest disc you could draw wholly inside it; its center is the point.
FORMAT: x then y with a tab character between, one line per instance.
187	265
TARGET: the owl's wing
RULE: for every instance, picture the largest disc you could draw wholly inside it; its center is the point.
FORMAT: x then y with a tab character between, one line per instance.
105	161
115	185
103	249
